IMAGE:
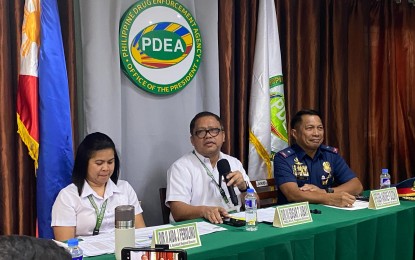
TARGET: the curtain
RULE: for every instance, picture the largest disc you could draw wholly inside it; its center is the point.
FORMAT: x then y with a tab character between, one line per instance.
325	66
353	60
17	179
17	173
391	108
236	29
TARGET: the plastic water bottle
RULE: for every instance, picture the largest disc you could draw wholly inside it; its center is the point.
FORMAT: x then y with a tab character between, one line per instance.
250	211
385	179
75	251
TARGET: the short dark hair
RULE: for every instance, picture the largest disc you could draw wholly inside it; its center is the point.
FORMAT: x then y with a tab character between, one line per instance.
297	117
25	247
203	114
92	143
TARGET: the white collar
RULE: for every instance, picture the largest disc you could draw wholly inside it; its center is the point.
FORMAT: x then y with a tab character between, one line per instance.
206	160
110	189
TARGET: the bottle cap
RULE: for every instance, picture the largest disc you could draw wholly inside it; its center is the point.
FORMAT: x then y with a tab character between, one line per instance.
250	190
384	170
73	242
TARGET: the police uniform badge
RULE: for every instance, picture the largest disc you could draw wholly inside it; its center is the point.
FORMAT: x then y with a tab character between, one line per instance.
327	169
300	170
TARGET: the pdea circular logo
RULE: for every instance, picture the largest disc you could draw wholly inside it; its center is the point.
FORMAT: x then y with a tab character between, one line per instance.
160	46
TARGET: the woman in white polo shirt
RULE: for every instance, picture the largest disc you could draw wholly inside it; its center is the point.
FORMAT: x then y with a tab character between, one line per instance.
87	206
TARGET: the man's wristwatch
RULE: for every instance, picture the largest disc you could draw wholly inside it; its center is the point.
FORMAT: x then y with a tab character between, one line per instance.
246	188
329	190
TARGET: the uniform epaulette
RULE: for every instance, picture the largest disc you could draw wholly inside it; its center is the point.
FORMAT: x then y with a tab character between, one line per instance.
330	148
287	152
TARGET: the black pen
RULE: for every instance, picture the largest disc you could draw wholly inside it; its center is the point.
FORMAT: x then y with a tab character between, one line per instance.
361	197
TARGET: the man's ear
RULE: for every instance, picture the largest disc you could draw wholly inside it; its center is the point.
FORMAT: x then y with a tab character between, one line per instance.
294	133
191	140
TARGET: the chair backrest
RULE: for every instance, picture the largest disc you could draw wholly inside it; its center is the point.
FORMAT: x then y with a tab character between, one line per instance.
165	211
267	192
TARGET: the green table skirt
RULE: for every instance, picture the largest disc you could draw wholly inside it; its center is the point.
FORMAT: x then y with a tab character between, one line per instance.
334	234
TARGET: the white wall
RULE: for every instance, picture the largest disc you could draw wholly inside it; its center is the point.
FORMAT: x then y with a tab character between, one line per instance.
150	131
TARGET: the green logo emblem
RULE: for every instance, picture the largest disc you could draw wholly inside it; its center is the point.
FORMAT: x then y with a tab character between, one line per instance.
277	103
160	46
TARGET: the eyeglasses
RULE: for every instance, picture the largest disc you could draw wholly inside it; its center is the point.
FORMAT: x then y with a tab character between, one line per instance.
202	133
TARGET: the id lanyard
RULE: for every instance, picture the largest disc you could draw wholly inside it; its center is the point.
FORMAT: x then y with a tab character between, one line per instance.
100	214
222	192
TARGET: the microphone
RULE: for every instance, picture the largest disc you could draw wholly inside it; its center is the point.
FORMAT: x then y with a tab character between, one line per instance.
224	169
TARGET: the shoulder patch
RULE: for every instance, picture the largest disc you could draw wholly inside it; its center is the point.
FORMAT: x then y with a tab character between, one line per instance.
287	152
330	148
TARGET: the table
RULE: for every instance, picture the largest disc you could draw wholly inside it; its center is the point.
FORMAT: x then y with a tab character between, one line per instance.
335	234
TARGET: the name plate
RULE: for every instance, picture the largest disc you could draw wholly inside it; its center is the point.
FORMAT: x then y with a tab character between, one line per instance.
383	198
261	183
292	214
181	236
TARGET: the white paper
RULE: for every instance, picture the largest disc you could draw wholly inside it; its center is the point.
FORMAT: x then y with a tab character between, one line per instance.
207	228
358	204
263	215
266	215
98	245
105	243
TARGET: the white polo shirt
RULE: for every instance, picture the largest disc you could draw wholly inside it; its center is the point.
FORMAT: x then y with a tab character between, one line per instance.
70	209
189	182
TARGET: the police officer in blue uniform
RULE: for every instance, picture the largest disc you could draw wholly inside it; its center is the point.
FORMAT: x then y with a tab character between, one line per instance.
310	171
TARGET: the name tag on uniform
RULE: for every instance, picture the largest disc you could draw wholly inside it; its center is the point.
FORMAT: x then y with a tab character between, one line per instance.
292	214
181	236
384	198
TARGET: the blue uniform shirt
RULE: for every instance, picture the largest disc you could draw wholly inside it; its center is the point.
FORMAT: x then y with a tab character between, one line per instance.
326	169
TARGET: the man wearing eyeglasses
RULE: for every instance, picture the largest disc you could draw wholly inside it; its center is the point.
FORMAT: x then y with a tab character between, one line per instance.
194	187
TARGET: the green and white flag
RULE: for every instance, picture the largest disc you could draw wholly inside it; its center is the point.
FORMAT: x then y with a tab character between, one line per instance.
267	121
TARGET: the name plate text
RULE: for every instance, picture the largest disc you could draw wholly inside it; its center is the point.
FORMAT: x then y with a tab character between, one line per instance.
383	198
180	236
292	214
